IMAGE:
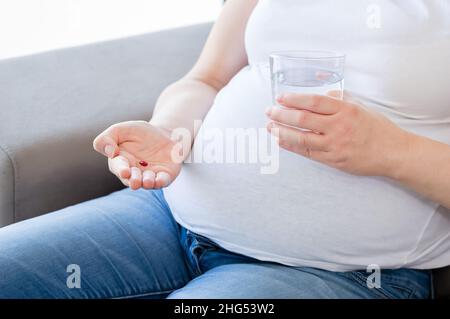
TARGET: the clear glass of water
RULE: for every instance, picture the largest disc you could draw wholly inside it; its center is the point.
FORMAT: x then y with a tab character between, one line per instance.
307	72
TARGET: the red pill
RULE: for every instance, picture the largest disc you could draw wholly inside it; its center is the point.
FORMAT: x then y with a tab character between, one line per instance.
143	163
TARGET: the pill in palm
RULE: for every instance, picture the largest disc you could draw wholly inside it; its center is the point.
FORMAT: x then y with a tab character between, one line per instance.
143	163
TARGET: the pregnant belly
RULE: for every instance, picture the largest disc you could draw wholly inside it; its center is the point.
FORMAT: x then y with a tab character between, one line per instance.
304	213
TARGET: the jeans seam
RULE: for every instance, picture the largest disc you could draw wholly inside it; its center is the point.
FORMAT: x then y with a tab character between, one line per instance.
362	280
186	244
410	292
146	294
196	259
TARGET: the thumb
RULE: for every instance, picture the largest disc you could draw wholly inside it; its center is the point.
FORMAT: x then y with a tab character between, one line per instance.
106	145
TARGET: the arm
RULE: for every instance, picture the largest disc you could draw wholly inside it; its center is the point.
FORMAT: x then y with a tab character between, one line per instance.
141	153
425	168
360	141
191	97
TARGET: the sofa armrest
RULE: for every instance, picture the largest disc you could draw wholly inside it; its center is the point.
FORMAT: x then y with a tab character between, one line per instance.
6	188
53	104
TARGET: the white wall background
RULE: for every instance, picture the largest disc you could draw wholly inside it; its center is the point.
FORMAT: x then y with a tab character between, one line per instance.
31	26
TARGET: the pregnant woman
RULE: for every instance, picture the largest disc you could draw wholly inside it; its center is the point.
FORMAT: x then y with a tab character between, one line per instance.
369	188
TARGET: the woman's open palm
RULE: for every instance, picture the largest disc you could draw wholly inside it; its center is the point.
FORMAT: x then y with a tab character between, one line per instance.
139	154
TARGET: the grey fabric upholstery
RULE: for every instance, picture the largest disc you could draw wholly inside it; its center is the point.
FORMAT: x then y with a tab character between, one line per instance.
52	105
6	189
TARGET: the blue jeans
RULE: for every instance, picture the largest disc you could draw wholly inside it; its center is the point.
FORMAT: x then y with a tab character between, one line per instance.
127	245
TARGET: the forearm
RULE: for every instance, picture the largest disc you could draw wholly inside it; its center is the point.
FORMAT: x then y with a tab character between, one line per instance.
182	103
425	168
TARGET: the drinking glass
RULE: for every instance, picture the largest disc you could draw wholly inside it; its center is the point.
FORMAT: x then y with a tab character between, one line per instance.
307	72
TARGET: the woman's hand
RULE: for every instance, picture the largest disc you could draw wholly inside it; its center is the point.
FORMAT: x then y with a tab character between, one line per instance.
128	143
343	133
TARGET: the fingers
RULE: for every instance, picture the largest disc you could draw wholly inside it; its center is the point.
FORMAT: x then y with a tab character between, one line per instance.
135	179
299	118
297	140
163	179
148	179
120	166
326	105
152	180
107	142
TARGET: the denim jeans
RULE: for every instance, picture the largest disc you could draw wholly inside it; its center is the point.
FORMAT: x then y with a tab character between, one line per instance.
127	245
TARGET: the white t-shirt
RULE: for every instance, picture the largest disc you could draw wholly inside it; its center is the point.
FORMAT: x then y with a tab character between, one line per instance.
308	214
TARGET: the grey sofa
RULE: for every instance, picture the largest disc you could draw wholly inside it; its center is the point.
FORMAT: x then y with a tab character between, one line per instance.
53	104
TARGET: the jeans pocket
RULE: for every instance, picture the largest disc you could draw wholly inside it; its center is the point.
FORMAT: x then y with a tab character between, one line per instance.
396	291
396	284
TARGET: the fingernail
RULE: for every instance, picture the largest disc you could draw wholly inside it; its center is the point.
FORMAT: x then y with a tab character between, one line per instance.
148	175
165	177
135	172
269	111
109	150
